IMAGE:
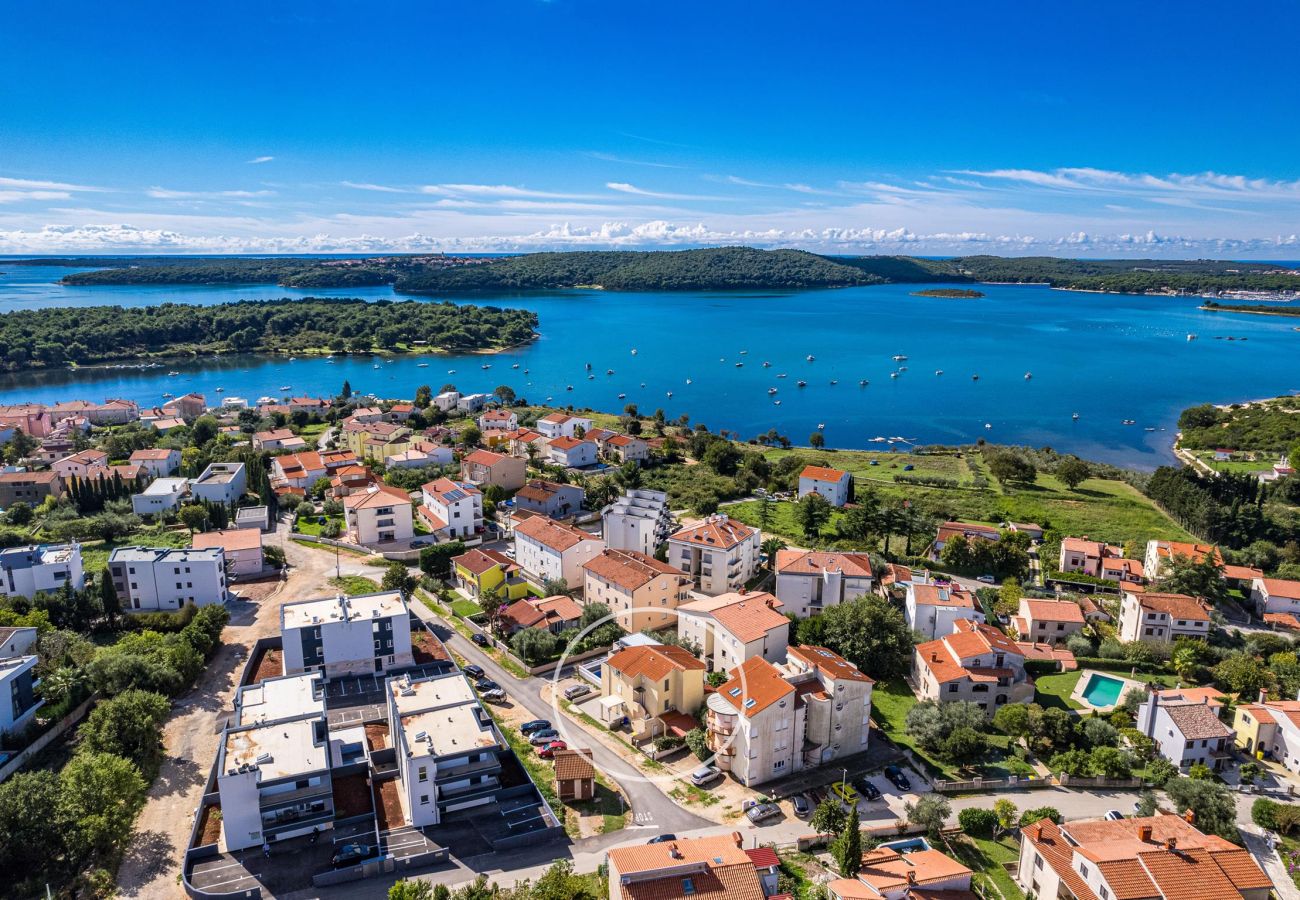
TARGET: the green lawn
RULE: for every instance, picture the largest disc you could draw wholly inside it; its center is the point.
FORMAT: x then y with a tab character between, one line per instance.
313	430
355	585
781	522
310	525
1055	690
94	554
859	462
466	608
985	856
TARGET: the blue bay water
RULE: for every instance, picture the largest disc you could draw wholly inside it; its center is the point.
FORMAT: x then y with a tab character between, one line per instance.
1107	357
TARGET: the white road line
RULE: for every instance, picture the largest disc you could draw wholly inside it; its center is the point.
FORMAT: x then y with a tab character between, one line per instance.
228	865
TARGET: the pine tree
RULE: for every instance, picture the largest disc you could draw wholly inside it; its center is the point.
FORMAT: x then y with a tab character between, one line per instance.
847	848
346	393
108	600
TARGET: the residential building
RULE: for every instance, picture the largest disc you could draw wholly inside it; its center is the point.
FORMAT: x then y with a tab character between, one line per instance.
1160	553
16	641
161	579
451	509
932	610
40	569
553	614
948	530
472	403
525	442
657	688
834	485
639	520
836	696
626	448
1047	621
159	462
298	470
550	551
1162	618
1033	530
380	514
18	700
257	517
1099	560
162	497
29	487
550	498
483	467
164	424
1162	856
810	581
1186	732
419	455
502	419
704	868
447	400
223	483
916	874
242	547
639	590
31	418
1269	729
273	763
731	628
976	663
555	425
278	439
400	413
342	636
1277	601
484	573
573	453
575	775
718	554
188	407
79	464
365	415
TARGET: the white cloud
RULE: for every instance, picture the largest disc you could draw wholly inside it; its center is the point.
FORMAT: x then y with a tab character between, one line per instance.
258	160
610	157
159	193
378	188
1103	180
22	196
24	184
625	188
498	190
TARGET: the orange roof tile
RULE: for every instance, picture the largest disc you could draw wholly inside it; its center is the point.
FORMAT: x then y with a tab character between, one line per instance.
751	617
715	531
886	869
573	765
479	561
1054	610
822	473
829	663
754	685
1178	606
230	540
653	662
815	562
1279	587
630	569
552	534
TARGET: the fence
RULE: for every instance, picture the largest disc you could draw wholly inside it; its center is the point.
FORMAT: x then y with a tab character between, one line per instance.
56	731
1096	781
1011	783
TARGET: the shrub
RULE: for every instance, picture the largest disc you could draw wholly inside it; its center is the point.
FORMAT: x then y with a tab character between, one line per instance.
1030	816
1261	813
977	821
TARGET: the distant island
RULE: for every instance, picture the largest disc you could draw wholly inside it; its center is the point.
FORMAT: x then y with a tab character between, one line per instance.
58	336
949	293
1252	308
715	269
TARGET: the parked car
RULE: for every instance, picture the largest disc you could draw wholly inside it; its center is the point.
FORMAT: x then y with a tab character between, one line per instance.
704	774
761	812
574	691
1114	815
473	671
480	639
662	838
421	542
495	695
351	854
898	778
486	684
548	752
534	725
803	807
844	792
545	736
987	579
867	789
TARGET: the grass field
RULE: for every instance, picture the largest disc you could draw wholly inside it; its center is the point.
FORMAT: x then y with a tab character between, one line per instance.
310	525
1055	690
94	555
1265	461
985	856
355	585
887	464
465	608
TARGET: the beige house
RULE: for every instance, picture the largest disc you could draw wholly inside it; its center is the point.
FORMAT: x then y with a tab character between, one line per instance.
657	687
80	464
718	554
809	581
483	467
732	628
378	515
704	868
976	663
639	589
1047	621
1160	618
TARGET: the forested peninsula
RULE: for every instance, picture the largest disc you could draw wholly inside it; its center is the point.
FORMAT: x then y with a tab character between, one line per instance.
57	336
724	268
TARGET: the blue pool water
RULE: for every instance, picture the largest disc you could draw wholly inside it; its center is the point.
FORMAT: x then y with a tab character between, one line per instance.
1102	690
1106	357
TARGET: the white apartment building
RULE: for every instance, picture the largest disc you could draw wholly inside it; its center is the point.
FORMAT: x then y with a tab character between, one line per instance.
342	636
158	462
809	581
18	700
832	484
719	554
220	483
1161	618
40	568
162	497
639	520
1186	732
154	579
498	419
17	641
572	453
548	550
378	515
557	425
932	610
447	400
451	509
79	464
732	628
1275	596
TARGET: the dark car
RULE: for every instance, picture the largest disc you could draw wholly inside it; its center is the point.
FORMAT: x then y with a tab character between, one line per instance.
867	789
486	684
661	838
896	776
420	542
351	854
545	736
473	671
761	812
534	725
803	807
480	639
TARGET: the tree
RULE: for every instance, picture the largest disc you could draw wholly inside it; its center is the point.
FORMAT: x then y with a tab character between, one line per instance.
1009	467
1038	813
964	746
812	512
128	725
816	440
977	821
505	393
410	890
108	599
847	848
872	634
1286	817
698	744
534	645
929	812
1070	762
1200	771
436	560
99	794
1110	762
32	832
194	516
1013	719
771	547
470	435
1196	578
1210	802
1073	472
1099	732
398	578
829	817
423	397
346	392
1147	803
1241	674
205	428
19	513
1007	814
1160	770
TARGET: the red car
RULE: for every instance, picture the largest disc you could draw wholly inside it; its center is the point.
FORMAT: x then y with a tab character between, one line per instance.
548	752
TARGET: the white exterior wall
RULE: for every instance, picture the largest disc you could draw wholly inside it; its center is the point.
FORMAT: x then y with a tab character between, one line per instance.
808	594
583	454
44	577
1155	627
545	563
1035	875
241	813
1171	742
161	468
718	562
221	491
160	498
462	516
835	492
563	429
348	648
364	524
171	582
933	621
1266	603
245	562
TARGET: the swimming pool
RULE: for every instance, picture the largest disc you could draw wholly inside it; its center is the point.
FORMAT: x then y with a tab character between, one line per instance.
1102	690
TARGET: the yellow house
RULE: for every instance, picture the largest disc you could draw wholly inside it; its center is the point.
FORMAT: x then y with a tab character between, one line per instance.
1269	726
659	688
489	573
360	437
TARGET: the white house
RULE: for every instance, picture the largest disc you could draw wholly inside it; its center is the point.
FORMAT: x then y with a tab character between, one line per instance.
1160	618
18	701
1160	553
718	554
550	498
976	663
153	579
573	453
162	497
278	439
548	550
1186	732
1047	621
79	464
344	636
809	581
472	403
447	400
379	514
419	455
1276	597
933	610
40	568
833	484
639	520
222	483
732	628
501	419
159	462
16	641
626	448
299	470
451	509
242	547
557	425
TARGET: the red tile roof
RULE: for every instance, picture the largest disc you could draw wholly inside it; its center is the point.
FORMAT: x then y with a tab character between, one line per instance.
815	562
552	534
715	531
829	663
754	685
1054	611
822	473
479	561
1279	587
629	569
573	765
1178	606
751	617
653	662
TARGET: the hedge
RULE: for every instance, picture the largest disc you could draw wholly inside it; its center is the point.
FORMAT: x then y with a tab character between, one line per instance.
1107	664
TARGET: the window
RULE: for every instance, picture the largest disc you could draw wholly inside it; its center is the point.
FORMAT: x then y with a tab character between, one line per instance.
1105	894
1038	861
688	886
1083	869
424	799
779	764
952	688
424	774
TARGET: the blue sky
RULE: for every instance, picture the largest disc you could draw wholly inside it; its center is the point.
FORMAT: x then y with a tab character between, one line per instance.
1082	129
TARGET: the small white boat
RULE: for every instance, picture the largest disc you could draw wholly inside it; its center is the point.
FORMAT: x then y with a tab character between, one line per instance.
670	395
767	365
776	402
835	381
863	383
722	359
893	374
588	367
974	378
744	352
987	425
740	365
771	391
782	375
1191	337
938	371
609	371
569	388
167	396
634	351
173	374
880	440
902	368
422	365
1148	428
811	358
286	387
376	365
451	371
526	371
688	381
1075	416
220	390
591	377
821	426
486	366
801	384
622	396
898	357
643	384
331	356
549	399
1028	375
515	366
1129	422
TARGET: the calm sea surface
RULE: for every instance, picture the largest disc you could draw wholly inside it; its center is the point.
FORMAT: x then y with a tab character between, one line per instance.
1106	357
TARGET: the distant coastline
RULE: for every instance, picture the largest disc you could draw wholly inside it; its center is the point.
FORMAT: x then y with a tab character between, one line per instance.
949	293
1284	311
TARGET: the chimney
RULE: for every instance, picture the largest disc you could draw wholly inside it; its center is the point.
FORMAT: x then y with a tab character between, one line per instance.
1144	833
911	876
1263	695
673	851
740	841
1171	844
1190	817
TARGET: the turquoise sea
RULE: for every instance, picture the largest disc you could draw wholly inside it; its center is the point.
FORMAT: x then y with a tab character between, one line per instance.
1106	357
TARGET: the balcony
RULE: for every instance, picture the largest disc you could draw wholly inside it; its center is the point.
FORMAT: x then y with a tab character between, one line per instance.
491	764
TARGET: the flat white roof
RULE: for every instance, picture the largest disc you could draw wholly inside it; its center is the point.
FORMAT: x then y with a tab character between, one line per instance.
279	750
305	613
441	716
280	698
166	486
